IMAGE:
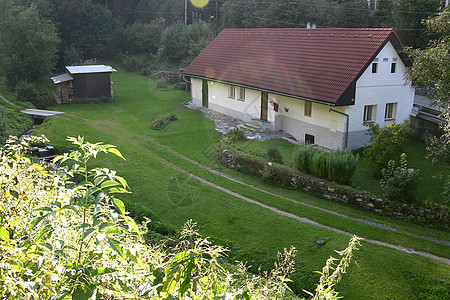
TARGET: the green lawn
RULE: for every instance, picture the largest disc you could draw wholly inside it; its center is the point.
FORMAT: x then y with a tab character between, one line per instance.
170	197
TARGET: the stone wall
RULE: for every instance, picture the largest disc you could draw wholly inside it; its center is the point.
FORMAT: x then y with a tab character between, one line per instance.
285	176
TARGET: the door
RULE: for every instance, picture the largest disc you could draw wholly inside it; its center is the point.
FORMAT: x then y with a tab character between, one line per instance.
205	93
264	106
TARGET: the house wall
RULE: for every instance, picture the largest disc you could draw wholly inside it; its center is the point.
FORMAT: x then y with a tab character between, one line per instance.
379	89
327	127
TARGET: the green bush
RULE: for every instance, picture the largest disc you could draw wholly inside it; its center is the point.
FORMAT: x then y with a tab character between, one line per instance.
319	164
302	156
159	123
341	166
26	92
386	142
161	84
257	152
274	155
181	86
234	135
398	182
13	123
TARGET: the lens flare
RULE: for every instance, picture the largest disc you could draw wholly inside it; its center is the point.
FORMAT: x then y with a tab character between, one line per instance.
199	3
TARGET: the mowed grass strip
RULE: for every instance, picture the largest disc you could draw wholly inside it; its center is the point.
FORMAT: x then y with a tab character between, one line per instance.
172	197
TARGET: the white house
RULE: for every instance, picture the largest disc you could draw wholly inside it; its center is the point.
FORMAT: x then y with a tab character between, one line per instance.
319	85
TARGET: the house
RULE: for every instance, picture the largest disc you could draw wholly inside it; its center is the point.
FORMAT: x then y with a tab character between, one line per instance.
319	85
91	81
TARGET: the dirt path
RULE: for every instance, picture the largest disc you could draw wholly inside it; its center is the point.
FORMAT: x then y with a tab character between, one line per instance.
301	219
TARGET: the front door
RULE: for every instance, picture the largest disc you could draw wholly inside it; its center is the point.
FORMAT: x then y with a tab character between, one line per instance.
205	93
264	106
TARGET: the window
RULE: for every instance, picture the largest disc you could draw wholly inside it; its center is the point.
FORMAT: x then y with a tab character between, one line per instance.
370	113
241	94
393	67
390	112
374	67
309	139
231	91
308	108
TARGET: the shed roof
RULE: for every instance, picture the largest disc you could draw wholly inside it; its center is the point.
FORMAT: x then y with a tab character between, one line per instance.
62	78
90	69
315	64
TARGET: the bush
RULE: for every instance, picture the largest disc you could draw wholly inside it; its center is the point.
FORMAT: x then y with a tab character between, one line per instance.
319	164
302	156
234	135
274	154
386	142
159	123
26	92
161	84
181	86
398	182
341	166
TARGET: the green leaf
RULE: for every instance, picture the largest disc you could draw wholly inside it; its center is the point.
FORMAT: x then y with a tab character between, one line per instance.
105	225
118	190
116	247
36	221
102	270
4	235
87	232
132	224
122	181
118	204
116	152
107	184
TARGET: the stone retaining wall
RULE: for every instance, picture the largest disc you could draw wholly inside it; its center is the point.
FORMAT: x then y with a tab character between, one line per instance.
319	187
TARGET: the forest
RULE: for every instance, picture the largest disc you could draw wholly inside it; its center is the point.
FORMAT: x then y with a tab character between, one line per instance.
39	37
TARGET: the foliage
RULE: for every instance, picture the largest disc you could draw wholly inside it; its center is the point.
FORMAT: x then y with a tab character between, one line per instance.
159	123
302	157
386	143
398	182
73	56
409	15
181	43
88	100
234	135
431	67
336	166
27	92
29	42
62	239
181	86
274	155
13	123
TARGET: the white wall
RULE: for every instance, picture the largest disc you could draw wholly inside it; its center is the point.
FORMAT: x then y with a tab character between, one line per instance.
378	89
196	91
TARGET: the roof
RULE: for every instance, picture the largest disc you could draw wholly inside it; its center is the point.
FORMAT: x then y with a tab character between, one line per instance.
315	64
90	69
62	78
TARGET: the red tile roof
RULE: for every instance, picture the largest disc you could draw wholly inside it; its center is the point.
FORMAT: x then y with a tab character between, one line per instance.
317	64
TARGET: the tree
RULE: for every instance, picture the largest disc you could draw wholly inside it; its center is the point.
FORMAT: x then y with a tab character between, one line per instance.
432	67
27	39
408	20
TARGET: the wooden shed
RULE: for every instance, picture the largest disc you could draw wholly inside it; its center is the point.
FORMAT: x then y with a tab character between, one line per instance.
91	81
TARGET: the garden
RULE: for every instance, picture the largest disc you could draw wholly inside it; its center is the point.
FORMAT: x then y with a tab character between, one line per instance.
160	190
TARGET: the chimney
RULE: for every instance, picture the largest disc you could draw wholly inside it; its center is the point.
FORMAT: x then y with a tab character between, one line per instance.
311	24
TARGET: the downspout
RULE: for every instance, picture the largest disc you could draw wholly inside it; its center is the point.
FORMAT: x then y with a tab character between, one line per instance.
346	124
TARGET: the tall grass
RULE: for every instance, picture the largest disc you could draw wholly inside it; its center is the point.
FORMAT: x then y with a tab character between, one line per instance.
336	166
303	154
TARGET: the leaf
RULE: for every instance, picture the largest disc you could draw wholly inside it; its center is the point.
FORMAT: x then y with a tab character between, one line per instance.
118	204
102	270
107	184
81	294
118	190
36	221
105	225
121	180
4	235
132	224
87	232
116	247
116	152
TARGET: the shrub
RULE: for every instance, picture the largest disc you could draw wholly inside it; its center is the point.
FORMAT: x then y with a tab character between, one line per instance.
319	164
257	152
386	142
274	154
159	123
234	135
341	166
181	86
26	92
161	84
303	154
398	182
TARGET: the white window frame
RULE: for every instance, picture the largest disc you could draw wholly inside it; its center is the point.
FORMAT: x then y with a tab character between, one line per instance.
370	113
231	92
390	111
241	94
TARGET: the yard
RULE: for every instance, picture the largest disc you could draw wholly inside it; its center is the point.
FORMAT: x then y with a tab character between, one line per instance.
156	167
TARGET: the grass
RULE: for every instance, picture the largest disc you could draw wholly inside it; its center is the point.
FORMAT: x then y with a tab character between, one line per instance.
170	197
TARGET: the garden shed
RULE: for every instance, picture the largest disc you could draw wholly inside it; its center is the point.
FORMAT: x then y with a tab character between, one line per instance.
91	81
